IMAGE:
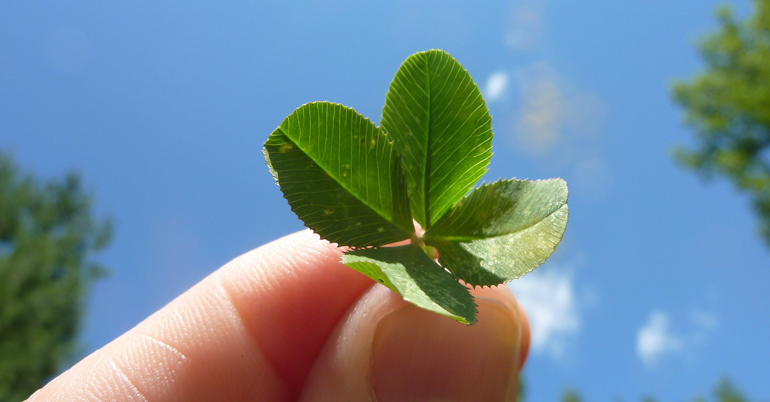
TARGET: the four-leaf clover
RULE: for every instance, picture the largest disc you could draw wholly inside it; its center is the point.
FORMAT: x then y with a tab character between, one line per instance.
363	186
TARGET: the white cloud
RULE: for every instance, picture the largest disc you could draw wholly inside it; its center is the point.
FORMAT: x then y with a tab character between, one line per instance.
655	339
561	125
554	121
553	112
496	86
549	297
704	320
704	324
541	116
526	27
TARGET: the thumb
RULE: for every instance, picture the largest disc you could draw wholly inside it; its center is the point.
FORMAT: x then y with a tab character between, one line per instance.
385	349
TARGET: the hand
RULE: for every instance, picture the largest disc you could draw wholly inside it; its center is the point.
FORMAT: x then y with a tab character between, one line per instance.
287	321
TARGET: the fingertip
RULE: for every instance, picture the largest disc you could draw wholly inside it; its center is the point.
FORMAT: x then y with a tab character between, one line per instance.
249	331
419	355
385	349
504	294
526	333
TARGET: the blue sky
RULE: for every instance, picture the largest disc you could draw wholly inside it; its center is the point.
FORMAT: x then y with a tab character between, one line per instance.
660	285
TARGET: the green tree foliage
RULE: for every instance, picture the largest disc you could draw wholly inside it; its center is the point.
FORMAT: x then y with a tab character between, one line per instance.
571	395
47	238
724	391
728	105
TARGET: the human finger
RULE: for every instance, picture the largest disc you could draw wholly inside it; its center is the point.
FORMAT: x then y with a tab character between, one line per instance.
385	349
249	331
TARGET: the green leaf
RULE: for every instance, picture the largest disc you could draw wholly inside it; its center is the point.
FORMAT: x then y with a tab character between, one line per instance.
341	175
442	128
344	178
501	230
408	271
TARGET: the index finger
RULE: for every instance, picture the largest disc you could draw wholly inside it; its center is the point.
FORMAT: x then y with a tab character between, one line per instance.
250	330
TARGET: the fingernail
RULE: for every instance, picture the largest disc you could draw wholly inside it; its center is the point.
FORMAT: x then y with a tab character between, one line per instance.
423	356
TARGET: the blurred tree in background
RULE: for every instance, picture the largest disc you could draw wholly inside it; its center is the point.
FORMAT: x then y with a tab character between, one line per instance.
728	105
723	392
726	392
571	395
47	236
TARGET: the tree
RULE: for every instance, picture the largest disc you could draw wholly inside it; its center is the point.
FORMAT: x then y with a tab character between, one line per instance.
47	238
571	395
728	105
724	391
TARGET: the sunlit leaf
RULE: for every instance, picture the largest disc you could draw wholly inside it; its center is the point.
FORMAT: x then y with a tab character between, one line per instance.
501	230
341	176
408	271
442	128
360	186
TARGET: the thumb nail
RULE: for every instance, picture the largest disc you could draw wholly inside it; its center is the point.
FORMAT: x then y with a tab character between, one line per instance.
422	356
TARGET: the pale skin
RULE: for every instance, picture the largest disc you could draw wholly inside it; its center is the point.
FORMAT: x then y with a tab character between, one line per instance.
288	322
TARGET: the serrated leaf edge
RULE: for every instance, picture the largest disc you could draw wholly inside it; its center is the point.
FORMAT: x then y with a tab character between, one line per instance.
382	132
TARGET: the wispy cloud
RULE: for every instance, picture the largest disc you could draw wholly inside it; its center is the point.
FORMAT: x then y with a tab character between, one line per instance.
704	320
655	339
554	112
704	323
526	28
562	125
553	308
541	116
552	120
497	84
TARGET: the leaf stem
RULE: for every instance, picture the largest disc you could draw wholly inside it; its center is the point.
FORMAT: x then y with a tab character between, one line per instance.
417	240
